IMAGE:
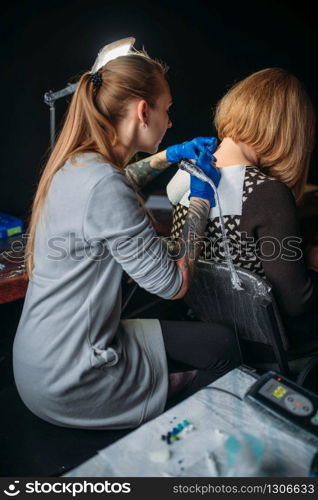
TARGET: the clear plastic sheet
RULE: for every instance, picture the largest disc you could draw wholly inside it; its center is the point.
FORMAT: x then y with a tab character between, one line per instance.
250	310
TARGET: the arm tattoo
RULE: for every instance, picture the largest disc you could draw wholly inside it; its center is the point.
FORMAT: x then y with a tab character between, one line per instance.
190	243
143	171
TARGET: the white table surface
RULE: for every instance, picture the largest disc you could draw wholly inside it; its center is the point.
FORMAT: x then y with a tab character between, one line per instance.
230	438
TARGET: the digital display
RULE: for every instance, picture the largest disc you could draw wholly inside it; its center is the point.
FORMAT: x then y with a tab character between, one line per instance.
279	392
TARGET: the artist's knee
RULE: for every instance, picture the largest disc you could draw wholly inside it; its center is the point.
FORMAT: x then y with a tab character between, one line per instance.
225	354
232	350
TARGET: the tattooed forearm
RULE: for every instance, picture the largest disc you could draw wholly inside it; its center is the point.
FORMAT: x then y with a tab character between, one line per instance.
189	245
143	171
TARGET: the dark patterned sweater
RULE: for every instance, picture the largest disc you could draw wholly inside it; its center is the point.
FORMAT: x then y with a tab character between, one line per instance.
262	228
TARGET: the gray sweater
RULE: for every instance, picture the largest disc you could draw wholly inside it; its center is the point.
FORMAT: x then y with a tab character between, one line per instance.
76	364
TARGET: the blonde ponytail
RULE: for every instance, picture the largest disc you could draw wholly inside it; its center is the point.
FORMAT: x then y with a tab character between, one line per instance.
91	120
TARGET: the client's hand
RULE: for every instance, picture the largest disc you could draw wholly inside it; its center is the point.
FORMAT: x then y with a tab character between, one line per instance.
200	188
191	149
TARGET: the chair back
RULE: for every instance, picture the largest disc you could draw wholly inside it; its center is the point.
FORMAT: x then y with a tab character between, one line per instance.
252	311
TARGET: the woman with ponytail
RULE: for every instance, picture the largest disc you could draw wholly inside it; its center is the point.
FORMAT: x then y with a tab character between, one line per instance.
76	363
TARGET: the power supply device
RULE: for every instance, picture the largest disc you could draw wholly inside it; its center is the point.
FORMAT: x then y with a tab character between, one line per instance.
287	400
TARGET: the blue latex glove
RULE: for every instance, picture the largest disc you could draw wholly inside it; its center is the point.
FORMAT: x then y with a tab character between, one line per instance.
190	150
200	188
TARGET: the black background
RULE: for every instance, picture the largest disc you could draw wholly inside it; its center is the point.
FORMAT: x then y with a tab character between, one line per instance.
208	46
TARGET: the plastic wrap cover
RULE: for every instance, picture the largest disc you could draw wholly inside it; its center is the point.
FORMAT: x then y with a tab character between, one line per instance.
213	299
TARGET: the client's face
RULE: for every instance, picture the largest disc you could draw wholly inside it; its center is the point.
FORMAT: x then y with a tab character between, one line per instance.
158	122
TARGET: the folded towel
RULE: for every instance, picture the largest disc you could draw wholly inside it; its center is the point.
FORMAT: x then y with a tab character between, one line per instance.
230	190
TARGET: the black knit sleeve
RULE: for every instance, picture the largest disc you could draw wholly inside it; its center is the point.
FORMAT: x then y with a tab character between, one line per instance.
270	217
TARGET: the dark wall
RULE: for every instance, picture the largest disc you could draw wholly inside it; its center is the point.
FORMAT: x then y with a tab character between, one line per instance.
207	46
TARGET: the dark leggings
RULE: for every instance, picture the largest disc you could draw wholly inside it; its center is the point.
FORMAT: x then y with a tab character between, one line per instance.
210	348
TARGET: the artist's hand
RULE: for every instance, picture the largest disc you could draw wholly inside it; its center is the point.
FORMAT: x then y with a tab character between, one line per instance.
191	150
202	189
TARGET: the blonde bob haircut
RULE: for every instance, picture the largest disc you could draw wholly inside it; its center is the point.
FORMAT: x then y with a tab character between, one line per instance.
271	112
91	122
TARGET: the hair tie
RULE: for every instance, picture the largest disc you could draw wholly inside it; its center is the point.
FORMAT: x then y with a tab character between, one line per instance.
97	80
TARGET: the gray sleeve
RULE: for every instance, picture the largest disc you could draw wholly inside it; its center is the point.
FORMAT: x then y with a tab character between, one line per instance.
114	216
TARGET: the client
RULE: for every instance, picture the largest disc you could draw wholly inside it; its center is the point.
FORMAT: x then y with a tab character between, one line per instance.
266	125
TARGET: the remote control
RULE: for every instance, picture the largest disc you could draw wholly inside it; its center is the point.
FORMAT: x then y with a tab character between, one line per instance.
284	398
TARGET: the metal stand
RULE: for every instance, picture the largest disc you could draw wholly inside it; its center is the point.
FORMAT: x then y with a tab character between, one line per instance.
107	53
50	98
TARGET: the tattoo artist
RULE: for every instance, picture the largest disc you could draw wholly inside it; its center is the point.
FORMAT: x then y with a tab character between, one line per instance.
76	363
